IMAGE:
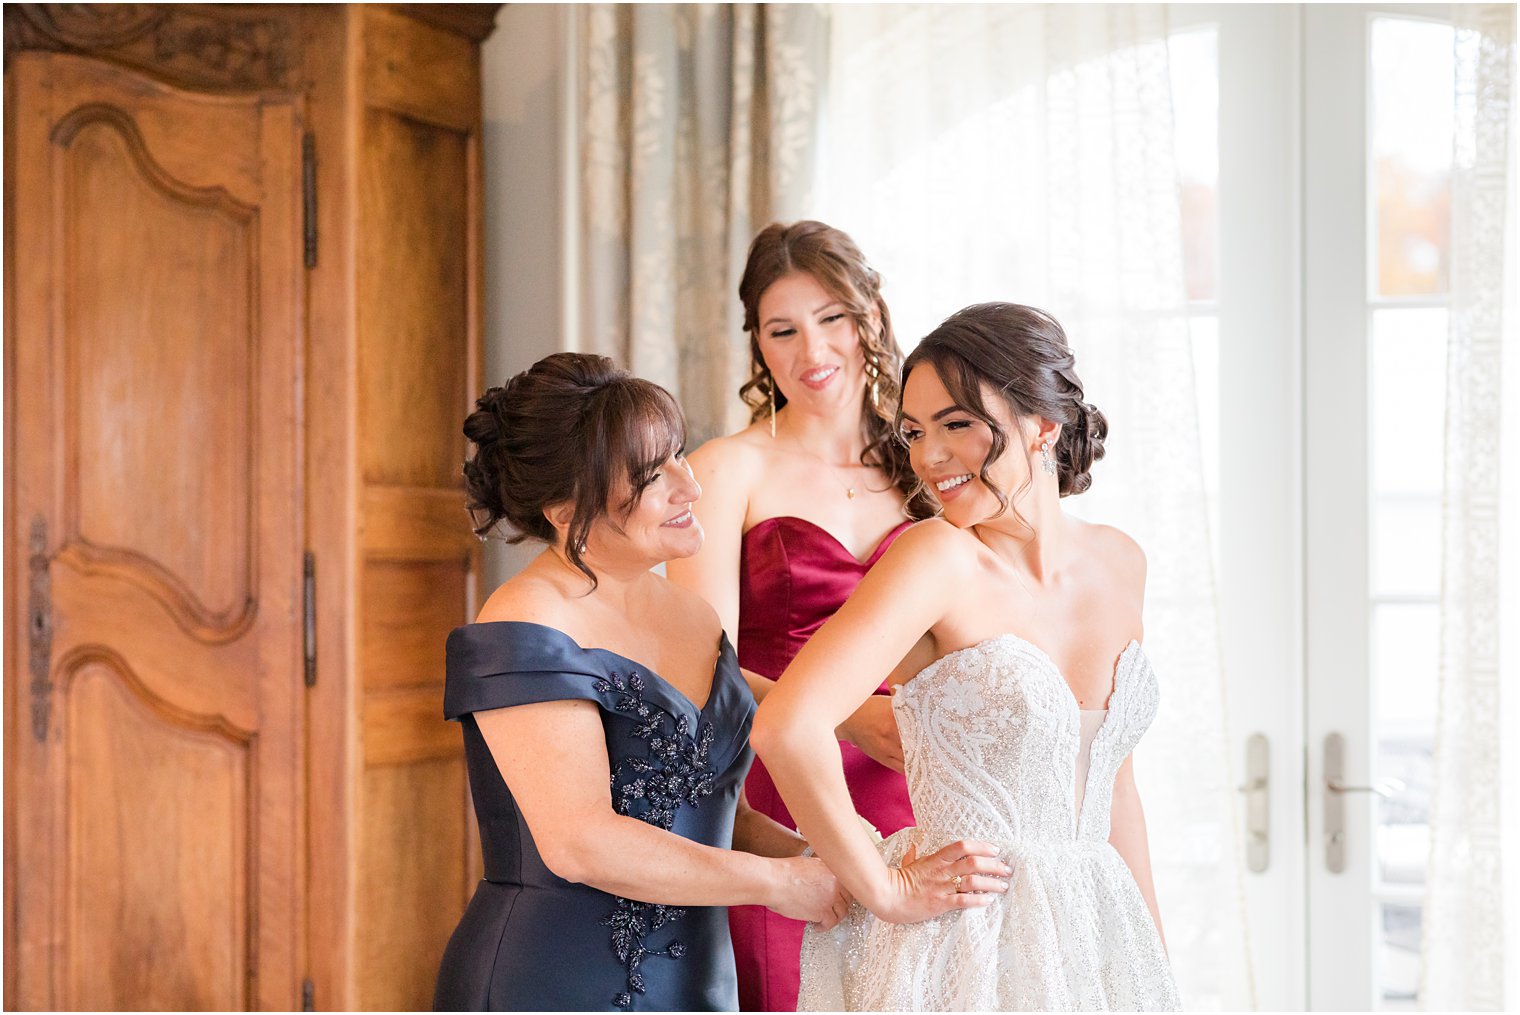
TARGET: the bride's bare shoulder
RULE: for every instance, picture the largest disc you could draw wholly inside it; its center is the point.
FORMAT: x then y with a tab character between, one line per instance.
917	579
935	541
1117	553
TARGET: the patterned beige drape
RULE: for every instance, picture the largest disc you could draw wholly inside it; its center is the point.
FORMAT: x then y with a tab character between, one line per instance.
1464	947
698	128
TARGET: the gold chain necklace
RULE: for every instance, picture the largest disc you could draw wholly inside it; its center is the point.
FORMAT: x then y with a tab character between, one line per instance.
833	470
849	489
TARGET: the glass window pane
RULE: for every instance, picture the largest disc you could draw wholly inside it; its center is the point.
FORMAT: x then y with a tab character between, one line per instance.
1411	99
1402	849
1408	400
1203	328
1406	547
1398	957
1405	656
1194	57
1405	661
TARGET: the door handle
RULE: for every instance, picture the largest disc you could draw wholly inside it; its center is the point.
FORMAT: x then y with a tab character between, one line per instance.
1257	789
1385	788
1336	789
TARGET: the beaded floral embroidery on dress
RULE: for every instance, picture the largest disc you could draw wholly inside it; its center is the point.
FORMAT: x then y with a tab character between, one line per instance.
652	789
990	739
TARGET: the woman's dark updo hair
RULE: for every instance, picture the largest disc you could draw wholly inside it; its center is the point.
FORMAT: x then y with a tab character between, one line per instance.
571	428
1022	352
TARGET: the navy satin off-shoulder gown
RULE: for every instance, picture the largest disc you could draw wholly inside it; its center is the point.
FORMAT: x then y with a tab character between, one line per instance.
531	941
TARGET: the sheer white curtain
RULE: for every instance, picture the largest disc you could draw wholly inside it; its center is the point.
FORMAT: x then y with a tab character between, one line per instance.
697	126
1026	153
1465	942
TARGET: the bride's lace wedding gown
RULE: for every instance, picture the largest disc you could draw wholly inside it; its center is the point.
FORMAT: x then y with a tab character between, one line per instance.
992	740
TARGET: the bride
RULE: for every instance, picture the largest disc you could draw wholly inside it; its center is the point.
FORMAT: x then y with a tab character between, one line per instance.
1021	690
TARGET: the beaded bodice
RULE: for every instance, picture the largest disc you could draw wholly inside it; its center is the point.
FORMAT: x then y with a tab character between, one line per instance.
990	739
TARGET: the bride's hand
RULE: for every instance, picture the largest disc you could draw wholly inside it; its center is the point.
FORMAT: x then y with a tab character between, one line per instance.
963	875
807	890
873	728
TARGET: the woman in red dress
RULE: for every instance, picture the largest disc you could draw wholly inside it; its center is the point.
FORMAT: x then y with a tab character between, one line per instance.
797	507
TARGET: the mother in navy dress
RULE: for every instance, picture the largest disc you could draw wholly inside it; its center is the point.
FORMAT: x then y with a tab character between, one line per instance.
606	724
605	720
800	505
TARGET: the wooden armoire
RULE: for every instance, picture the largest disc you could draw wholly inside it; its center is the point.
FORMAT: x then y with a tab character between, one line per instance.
242	329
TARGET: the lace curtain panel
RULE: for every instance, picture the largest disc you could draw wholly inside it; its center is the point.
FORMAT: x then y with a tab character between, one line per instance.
1026	153
697	128
1464	938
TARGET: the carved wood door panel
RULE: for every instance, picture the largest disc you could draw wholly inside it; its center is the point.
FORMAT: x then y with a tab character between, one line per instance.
156	719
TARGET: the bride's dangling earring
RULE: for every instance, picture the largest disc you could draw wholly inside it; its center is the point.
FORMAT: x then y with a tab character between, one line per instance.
1047	463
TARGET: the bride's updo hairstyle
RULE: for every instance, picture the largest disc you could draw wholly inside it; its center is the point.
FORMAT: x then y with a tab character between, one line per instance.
571	428
1022	352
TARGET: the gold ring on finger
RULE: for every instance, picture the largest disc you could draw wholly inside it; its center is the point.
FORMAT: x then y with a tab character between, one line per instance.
956	881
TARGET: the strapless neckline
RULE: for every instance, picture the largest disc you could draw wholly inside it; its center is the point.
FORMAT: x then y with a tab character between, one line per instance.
1105	728
779	521
1040	655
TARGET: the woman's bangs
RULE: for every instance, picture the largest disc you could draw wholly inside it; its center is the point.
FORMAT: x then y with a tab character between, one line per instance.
655	432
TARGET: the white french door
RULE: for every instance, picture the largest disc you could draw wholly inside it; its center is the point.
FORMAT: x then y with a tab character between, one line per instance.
1325	332
1254	347
1377	154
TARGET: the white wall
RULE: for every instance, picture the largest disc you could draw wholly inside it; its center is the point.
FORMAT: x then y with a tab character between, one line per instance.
522	70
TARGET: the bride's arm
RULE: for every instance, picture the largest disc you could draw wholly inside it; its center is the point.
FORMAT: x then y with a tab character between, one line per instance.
901	598
1126	817
1128	837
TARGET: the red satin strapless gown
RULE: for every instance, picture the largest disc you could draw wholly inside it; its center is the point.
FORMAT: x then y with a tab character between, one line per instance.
792	577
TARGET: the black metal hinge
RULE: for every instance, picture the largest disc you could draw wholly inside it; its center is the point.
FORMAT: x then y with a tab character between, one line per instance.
309	197
308	996
309	616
